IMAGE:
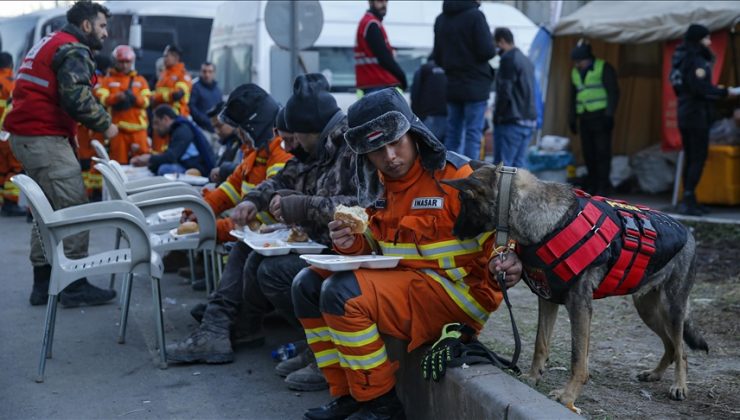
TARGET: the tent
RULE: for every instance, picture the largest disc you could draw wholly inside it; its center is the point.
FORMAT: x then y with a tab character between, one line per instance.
633	36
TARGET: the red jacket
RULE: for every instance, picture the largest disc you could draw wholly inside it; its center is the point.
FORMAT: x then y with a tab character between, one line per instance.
36	107
367	70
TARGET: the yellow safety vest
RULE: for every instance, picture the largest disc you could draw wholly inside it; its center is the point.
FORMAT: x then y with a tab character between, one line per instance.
590	93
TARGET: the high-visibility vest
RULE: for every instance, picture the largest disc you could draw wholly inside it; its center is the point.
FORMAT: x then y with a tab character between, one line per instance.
368	72
590	93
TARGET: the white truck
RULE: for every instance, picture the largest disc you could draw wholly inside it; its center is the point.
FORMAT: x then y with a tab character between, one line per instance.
243	51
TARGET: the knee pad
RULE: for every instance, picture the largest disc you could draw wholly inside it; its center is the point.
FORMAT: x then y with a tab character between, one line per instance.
337	290
306	292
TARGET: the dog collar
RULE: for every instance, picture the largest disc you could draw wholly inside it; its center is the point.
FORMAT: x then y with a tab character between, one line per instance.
504	196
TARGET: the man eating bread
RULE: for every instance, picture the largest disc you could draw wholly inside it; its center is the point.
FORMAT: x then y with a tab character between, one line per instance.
439	280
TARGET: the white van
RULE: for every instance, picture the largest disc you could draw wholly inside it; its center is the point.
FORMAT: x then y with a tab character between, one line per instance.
150	25
243	51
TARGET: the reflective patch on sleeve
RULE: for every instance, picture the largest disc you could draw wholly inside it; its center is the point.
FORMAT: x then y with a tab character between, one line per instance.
700	73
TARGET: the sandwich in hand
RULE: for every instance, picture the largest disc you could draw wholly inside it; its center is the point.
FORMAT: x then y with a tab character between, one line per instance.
187	227
354	217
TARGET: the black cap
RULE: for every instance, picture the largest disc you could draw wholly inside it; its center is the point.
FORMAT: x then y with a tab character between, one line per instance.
311	106
280	123
696	33
582	51
6	60
252	109
172	48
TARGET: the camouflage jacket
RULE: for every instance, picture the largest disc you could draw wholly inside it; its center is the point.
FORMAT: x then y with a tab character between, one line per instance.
74	66
326	180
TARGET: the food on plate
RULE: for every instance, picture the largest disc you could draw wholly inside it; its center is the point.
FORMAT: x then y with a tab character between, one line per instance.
272	228
187	227
266	245
297	235
355	217
254	225
193	172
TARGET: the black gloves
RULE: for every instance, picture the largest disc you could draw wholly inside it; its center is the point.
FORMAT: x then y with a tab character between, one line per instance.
445	351
177	95
128	101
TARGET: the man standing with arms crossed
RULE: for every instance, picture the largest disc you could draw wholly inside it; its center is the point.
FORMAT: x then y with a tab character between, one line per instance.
53	92
375	67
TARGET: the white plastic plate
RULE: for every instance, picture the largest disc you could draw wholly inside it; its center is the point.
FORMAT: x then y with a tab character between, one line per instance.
189	179
269	247
238	234
170	215
174	234
344	262
305	247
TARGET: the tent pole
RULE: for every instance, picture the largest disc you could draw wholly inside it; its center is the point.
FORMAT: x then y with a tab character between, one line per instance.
677	181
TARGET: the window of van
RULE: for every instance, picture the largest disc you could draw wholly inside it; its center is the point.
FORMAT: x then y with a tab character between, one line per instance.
233	66
338	65
17	36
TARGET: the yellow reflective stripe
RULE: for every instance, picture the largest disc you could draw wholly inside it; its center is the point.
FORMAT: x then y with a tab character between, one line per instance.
355	338
436	250
146	93
456	274
3	102
315	335
185	89
132	126
364	362
230	191
275	169
460	293
10	189
327	358
446	262
260	159
165	92
247	187
103	94
266	218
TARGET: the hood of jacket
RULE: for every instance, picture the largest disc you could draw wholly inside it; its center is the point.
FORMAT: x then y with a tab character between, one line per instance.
453	7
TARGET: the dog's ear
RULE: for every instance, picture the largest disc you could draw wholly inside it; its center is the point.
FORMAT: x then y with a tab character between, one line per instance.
476	164
463	185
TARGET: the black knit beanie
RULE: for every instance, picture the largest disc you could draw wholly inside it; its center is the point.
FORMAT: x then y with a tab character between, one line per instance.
311	106
696	33
582	51
280	121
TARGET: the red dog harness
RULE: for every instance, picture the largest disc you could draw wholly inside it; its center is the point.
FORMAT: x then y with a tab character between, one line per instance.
604	231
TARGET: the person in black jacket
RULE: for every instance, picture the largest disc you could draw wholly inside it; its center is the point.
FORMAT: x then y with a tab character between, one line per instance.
515	115
696	97
187	148
594	97
462	47
429	97
229	144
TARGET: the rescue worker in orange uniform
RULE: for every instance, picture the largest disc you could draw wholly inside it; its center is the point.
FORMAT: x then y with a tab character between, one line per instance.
9	165
439	279
264	157
172	88
126	95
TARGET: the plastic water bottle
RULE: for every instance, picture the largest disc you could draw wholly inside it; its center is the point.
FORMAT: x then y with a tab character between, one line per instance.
284	352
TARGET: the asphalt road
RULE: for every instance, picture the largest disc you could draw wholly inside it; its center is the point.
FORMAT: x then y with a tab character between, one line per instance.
92	376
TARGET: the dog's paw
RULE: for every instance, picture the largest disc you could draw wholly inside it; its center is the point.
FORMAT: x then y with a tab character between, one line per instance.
679	392
532	378
648	376
557	394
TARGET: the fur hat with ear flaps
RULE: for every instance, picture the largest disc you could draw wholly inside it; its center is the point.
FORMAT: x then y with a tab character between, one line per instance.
378	119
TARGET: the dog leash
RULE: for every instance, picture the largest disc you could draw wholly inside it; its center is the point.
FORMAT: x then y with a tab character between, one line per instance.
501	248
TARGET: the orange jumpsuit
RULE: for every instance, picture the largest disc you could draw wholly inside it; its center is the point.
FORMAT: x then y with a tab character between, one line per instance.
9	165
172	79
440	279
132	123
93	179
256	166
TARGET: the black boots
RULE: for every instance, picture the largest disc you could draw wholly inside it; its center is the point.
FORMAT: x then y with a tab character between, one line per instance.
81	293
340	408
689	206
76	294
385	407
40	292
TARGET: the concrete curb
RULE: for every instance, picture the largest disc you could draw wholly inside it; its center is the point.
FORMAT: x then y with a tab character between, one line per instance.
479	392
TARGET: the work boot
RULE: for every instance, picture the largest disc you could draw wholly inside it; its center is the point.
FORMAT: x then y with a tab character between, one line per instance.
40	291
174	260
202	345
338	409
385	407
689	206
198	311
81	293
10	209
308	378
286	367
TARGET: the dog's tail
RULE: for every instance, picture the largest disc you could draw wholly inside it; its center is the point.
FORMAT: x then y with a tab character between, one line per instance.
693	338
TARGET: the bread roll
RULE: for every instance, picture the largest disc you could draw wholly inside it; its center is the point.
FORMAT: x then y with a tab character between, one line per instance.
355	217
297	235
193	172
254	225
187	227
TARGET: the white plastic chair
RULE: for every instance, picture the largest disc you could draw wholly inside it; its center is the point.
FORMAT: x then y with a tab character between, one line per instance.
139	258
154	201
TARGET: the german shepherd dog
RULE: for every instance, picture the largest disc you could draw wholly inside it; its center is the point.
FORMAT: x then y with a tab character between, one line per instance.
538	210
